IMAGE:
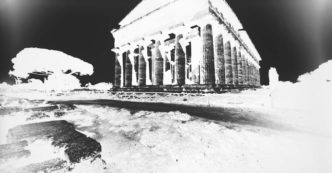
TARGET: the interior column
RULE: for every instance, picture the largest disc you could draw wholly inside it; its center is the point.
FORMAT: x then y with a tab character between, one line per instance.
179	62
158	66
128	71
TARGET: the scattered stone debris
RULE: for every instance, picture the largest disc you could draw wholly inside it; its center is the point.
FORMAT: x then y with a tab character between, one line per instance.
37	115
13	150
43	108
62	110
154	128
132	135
67	107
59	114
63	134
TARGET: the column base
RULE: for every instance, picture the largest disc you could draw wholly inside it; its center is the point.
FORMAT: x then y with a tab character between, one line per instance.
186	88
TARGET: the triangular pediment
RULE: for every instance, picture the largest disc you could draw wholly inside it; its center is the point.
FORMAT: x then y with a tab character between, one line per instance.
143	8
147	7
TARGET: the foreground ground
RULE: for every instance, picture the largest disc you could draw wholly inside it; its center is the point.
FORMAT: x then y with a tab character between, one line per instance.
234	132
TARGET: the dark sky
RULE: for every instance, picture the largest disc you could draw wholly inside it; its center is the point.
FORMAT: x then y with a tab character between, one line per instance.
292	35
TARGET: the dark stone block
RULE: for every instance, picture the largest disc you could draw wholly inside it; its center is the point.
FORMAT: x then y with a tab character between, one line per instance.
62	134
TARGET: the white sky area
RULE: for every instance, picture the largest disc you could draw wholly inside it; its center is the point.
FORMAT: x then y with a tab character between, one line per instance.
42	60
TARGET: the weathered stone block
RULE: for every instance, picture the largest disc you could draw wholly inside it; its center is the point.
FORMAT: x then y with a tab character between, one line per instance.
62	134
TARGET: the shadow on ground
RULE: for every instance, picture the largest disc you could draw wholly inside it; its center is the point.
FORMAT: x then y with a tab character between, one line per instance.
217	114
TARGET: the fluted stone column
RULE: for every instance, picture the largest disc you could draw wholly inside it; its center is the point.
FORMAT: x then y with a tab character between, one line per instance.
247	71
228	64
253	75
258	78
243	67
207	67
158	66
250	75
117	73
239	68
180	62
234	66
128	71
135	68
244	72
220	61
141	68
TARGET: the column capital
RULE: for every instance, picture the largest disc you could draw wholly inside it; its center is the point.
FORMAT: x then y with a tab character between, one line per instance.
116	50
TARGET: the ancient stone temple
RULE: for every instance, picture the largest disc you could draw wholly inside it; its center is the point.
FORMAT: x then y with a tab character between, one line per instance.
184	45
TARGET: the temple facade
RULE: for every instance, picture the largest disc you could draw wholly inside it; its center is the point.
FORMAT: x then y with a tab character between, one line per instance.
184	44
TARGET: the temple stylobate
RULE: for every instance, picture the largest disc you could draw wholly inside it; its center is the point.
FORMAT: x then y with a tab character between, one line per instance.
190	45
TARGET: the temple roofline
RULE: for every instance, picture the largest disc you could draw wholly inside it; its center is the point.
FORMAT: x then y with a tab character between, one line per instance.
141	17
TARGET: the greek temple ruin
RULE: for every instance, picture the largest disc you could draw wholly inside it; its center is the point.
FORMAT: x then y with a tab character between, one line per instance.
184	45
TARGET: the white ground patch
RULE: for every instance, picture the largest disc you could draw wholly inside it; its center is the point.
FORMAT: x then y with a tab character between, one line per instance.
157	142
103	86
41	150
145	141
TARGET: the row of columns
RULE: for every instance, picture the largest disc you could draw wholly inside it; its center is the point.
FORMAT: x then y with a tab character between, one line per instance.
221	64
